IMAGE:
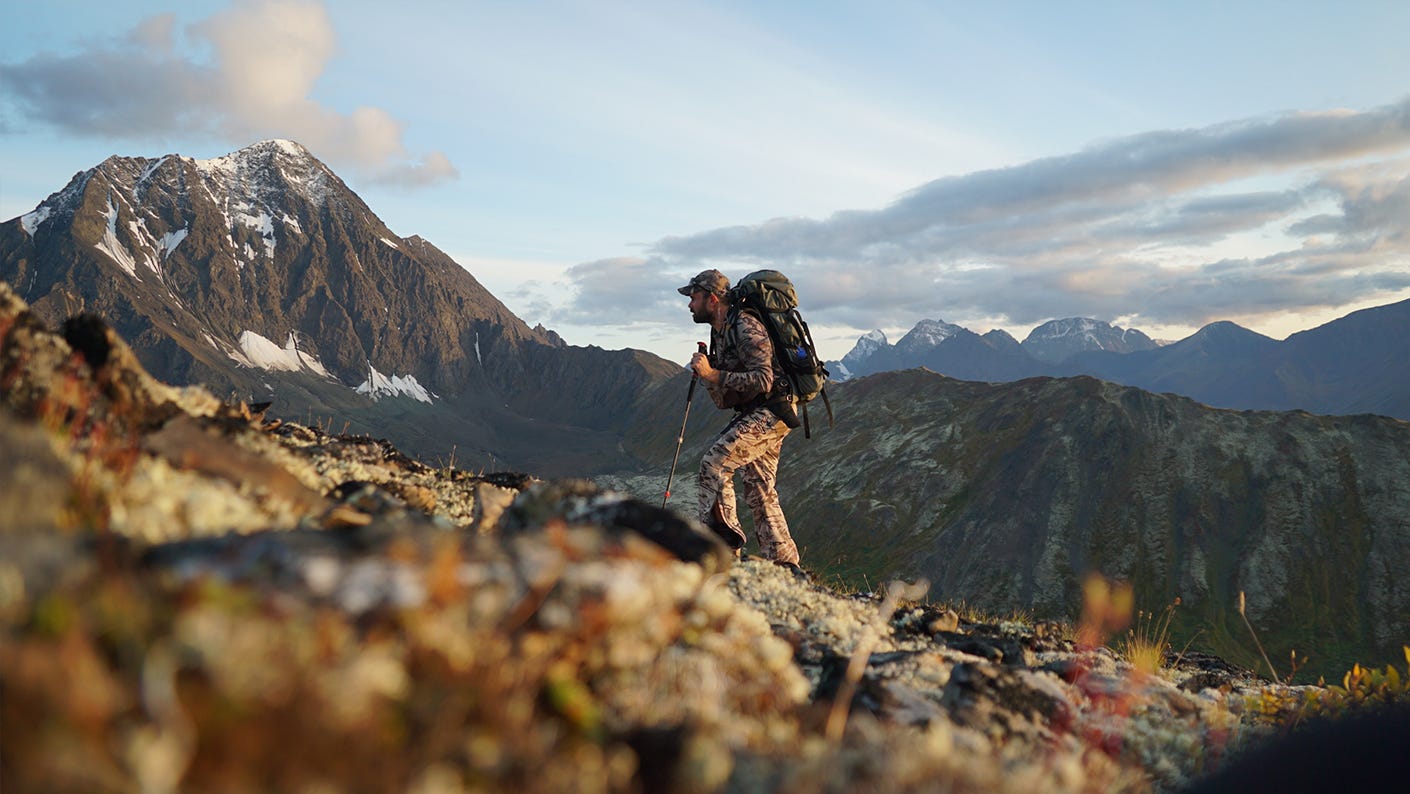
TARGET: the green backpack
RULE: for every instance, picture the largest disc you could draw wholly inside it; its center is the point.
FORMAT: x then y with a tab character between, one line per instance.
769	295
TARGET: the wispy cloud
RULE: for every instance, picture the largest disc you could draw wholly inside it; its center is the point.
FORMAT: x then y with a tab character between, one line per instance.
1175	227
246	72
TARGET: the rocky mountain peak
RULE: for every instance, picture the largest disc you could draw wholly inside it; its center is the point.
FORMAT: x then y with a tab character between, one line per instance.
262	273
59	205
866	345
1226	335
927	334
1057	340
870	347
268	169
1001	339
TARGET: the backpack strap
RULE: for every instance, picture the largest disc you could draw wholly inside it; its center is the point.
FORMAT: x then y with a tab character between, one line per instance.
729	336
807	428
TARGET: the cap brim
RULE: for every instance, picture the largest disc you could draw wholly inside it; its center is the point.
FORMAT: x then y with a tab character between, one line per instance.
686	290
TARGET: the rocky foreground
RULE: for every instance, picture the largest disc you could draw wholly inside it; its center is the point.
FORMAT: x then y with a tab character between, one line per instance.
195	598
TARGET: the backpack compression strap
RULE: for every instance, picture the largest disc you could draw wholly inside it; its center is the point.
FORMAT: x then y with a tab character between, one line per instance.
807	429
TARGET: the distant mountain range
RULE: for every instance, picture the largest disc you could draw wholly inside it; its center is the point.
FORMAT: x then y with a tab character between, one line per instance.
1359	363
262	275
961	353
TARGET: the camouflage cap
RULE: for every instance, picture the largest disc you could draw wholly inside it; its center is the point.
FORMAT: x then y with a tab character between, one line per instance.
707	281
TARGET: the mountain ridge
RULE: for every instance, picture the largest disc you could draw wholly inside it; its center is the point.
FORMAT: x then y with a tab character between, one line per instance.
1006	493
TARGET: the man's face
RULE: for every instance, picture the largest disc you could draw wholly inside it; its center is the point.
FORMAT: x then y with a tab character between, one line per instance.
700	306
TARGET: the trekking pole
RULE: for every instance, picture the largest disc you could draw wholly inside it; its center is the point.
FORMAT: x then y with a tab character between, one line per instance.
680	439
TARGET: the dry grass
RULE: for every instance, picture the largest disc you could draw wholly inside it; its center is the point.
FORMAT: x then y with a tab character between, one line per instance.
1147	643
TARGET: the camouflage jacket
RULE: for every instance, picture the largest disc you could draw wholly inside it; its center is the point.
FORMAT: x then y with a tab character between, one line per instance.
744	355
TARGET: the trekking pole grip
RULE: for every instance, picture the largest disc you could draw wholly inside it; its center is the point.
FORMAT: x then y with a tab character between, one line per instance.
690	393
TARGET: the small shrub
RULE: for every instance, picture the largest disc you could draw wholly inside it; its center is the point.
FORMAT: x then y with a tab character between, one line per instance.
1365	686
1361	688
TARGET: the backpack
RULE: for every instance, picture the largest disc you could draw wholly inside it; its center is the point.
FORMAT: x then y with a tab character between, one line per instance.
769	295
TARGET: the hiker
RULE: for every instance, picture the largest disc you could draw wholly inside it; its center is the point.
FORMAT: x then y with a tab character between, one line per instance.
740	372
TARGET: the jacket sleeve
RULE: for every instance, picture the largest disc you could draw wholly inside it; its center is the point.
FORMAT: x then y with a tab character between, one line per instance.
753	374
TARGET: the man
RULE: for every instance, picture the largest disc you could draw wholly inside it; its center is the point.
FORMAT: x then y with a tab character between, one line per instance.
740	373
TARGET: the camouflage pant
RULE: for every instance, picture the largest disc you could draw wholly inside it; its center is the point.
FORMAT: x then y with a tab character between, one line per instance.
749	444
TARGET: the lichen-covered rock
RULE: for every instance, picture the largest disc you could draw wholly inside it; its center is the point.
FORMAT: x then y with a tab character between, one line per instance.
582	502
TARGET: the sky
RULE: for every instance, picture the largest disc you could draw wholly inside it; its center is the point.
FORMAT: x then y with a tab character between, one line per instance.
995	165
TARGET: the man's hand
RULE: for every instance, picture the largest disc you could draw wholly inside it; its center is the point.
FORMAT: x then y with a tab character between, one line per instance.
700	364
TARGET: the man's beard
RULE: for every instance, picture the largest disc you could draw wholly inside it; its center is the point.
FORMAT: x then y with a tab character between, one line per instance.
702	315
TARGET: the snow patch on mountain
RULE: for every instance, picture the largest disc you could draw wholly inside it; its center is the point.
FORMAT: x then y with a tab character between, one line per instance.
390	244
291	148
170	240
148	171
262	224
378	386
137	230
32	221
260	353
111	246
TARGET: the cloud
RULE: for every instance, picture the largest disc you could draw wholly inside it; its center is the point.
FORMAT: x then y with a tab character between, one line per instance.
1174	227
247	73
623	291
1202	220
436	167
